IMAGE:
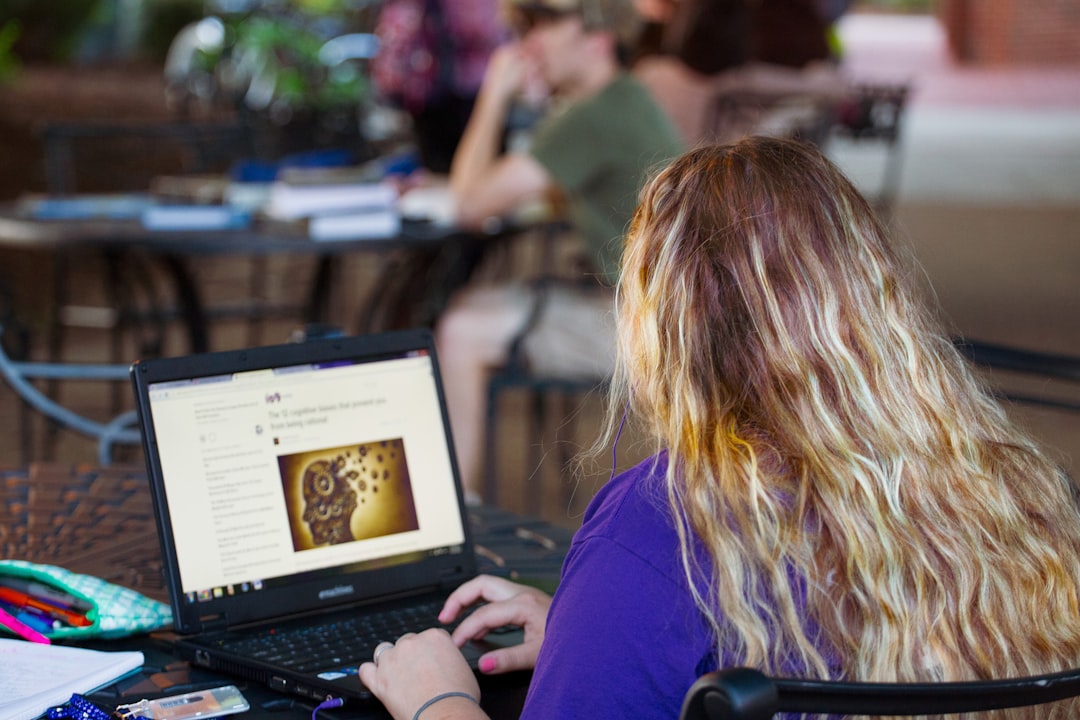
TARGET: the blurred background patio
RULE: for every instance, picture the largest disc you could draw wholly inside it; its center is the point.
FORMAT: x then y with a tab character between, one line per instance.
988	196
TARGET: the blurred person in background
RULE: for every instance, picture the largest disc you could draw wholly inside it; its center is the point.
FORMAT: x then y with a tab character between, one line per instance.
590	155
431	60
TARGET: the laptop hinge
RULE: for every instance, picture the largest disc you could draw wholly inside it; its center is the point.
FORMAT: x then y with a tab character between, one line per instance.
450	578
214	623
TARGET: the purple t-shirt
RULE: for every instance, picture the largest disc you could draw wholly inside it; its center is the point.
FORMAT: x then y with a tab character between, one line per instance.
624	638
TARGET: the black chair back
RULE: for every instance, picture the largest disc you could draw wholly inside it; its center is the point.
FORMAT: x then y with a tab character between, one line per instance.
746	694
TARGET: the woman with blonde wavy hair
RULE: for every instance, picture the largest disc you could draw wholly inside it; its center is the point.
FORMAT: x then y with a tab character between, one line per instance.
834	493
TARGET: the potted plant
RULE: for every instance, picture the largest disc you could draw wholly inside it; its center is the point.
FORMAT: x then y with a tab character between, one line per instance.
270	64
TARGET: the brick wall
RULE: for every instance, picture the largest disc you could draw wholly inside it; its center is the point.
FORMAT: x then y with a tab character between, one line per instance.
1013	32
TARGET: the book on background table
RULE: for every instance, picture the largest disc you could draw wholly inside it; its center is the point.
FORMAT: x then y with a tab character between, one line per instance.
291	201
35	677
195	217
120	206
363	225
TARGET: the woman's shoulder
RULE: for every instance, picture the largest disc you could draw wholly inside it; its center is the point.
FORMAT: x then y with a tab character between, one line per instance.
641	485
632	512
624	637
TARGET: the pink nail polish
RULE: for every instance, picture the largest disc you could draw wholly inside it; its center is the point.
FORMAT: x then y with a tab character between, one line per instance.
487	665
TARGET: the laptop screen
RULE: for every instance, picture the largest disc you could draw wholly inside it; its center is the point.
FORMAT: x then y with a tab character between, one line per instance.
277	477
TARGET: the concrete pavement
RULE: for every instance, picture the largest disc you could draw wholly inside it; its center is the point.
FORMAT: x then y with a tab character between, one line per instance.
971	134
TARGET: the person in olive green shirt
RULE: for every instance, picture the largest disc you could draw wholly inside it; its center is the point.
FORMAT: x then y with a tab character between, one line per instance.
594	154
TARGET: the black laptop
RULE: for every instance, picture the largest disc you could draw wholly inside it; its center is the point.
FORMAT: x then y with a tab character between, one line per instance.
307	502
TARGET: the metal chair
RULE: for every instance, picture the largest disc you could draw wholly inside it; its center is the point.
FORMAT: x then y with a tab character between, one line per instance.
873	113
739	112
544	392
747	694
753	98
121	429
1050	366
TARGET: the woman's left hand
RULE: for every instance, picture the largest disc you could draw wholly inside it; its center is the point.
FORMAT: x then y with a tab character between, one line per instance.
417	668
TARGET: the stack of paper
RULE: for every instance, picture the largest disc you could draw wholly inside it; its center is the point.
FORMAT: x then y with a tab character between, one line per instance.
372	225
35	677
289	201
337	211
435	204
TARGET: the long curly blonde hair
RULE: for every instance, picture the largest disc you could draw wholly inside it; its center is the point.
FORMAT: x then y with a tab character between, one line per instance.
868	510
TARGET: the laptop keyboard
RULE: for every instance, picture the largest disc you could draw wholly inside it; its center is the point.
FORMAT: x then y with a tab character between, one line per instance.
343	642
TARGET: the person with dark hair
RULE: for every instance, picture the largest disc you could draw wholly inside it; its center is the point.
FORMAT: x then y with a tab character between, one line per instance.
723	69
789	33
712	36
708	36
834	493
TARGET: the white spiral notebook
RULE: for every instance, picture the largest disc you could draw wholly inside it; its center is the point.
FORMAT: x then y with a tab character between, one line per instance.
35	677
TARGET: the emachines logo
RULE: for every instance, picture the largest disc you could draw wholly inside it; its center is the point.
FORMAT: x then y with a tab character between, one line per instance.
335	592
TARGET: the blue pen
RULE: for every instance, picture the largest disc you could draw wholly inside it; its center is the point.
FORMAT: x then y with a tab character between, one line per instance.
21	629
35	620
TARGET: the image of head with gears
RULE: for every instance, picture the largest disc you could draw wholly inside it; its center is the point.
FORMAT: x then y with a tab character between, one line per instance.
343	494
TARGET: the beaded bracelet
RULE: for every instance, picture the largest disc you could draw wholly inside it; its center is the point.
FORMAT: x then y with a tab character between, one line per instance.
442	696
78	708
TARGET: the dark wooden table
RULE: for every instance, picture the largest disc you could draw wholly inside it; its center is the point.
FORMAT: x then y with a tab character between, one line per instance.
100	522
425	262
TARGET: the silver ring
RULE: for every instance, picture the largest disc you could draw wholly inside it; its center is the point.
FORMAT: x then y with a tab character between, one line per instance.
379	650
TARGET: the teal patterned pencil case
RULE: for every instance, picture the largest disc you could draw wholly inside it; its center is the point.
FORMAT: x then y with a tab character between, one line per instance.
109	610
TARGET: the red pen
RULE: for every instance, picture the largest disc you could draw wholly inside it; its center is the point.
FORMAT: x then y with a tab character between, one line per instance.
21	629
21	599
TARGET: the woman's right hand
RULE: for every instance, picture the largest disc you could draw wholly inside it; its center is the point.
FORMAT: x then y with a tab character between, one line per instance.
508	603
